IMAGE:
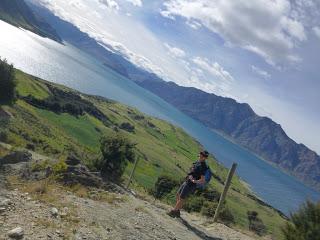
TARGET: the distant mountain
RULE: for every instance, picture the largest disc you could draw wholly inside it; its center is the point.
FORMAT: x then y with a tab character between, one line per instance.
83	41
18	13
239	122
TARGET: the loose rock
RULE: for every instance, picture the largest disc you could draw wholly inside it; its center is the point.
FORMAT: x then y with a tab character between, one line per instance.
16	233
54	212
17	157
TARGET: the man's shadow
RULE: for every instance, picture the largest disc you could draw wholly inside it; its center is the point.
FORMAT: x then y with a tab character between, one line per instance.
198	232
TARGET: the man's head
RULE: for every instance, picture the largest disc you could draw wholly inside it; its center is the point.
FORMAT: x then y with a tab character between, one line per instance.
203	155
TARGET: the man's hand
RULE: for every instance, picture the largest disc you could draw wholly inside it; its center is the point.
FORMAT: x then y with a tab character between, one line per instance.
202	180
192	179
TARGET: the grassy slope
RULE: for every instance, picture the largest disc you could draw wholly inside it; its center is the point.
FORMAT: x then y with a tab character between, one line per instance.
160	147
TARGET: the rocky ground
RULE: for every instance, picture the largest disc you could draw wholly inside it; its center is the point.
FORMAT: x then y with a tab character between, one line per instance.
46	210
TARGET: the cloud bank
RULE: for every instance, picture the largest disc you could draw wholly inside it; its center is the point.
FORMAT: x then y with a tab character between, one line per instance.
266	28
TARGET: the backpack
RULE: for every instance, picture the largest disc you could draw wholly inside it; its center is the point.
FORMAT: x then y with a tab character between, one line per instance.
207	177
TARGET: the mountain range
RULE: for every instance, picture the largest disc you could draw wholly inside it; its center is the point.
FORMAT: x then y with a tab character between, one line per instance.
239	122
234	120
19	14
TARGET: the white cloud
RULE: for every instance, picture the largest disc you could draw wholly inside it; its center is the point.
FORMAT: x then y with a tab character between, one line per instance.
260	72
167	14
111	30
137	3
194	24
263	27
115	4
137	59
316	31
175	51
294	28
213	68
112	4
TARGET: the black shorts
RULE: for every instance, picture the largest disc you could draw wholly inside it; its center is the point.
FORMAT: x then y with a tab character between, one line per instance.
186	189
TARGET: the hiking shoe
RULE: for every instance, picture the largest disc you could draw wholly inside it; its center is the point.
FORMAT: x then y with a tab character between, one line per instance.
178	213
174	213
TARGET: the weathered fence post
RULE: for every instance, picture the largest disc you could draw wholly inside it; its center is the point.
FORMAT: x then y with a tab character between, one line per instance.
132	172
225	190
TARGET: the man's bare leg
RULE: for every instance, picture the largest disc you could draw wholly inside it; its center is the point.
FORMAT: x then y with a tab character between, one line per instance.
179	204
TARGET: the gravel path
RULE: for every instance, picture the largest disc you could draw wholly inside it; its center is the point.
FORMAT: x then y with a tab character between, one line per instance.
79	218
62	214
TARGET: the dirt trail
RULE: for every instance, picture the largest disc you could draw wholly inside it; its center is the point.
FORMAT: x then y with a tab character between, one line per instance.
66	215
125	218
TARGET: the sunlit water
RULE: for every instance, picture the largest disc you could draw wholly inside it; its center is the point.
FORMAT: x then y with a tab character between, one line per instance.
71	67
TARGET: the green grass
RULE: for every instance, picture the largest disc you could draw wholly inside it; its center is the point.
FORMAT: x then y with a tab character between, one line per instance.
160	145
81	129
27	85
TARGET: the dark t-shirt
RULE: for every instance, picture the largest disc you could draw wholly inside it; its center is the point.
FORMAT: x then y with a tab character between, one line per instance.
198	169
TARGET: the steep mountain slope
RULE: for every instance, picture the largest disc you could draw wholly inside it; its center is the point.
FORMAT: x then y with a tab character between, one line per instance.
238	121
45	120
17	13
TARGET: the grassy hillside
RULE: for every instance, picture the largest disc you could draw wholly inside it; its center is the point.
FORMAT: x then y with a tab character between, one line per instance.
162	147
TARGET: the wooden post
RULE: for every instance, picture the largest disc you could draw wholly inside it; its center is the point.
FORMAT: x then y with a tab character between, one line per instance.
225	190
132	172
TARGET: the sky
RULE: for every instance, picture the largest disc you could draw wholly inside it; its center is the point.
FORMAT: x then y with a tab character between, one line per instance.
262	52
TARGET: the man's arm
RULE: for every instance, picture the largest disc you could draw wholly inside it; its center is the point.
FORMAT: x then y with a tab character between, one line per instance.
200	181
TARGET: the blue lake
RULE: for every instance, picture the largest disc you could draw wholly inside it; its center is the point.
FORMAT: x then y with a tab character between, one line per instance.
71	67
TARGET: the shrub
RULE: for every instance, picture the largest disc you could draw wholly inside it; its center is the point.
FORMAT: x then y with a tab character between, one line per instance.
193	204
40	166
3	136
40	187
163	186
7	83
127	127
209	208
304	224
150	124
255	223
226	216
30	146
116	151
210	194
59	167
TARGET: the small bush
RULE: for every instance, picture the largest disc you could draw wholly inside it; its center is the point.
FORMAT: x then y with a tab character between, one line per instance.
150	124
40	166
209	208
226	216
3	136
40	187
194	204
127	127
59	167
163	186
79	190
30	146
7	83
210	194
116	150
255	223
304	224
204	201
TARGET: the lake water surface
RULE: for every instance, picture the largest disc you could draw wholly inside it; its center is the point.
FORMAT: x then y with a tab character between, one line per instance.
73	68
